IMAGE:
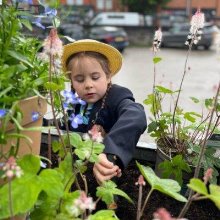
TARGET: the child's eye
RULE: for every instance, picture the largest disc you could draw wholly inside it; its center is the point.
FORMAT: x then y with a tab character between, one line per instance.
79	79
95	77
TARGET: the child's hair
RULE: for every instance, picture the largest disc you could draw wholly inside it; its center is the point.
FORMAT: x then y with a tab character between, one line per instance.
101	59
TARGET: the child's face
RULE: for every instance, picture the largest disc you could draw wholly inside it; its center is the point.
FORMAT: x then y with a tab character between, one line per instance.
88	79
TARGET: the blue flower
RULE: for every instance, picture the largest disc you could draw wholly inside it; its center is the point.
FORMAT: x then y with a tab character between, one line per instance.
35	116
71	98
2	113
51	12
80	101
37	22
76	120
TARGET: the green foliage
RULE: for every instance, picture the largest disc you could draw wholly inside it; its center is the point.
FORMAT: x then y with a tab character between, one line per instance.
175	168
157	59
181	132
28	187
86	149
166	186
107	191
211	192
103	215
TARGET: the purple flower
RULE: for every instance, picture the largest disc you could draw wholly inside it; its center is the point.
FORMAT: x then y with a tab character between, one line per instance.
76	120
80	101
51	12
37	22
71	98
35	116
2	113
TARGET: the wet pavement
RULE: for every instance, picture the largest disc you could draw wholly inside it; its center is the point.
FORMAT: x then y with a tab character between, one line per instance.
203	74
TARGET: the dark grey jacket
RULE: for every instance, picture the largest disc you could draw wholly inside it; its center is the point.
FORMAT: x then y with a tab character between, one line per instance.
123	120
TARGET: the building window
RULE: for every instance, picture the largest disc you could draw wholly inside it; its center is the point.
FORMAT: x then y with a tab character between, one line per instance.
108	4
79	2
74	2
104	4
100	4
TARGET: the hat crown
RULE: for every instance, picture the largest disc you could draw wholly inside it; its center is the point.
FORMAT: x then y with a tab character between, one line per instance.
112	54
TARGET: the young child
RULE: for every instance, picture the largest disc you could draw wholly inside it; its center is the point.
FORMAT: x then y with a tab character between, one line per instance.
91	65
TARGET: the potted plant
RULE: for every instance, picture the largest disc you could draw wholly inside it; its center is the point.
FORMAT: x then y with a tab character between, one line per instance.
180	135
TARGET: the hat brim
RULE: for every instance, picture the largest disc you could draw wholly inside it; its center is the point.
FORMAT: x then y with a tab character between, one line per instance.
112	54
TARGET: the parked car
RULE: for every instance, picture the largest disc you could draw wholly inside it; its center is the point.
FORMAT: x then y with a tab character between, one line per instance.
115	36
177	36
118	19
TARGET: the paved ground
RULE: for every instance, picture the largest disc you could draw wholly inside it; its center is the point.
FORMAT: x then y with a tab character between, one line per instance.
137	74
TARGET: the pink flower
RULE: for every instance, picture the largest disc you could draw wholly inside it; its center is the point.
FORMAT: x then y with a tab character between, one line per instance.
53	45
163	214
140	181
11	169
208	175
84	202
95	134
157	40
197	23
198	20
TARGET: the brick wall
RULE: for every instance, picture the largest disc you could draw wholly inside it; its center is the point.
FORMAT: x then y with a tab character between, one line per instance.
208	4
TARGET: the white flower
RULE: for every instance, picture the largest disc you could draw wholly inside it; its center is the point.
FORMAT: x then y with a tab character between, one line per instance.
198	20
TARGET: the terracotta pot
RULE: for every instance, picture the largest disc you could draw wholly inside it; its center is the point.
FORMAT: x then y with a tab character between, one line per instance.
28	106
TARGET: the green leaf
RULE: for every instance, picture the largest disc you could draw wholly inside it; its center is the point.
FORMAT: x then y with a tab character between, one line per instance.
51	183
189	116
175	167
19	57
75	139
163	90
24	194
53	86
157	59
27	24
103	215
215	194
30	163
198	186
195	100
107	191
166	186
66	171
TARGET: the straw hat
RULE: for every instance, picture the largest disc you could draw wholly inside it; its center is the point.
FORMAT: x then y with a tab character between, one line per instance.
112	54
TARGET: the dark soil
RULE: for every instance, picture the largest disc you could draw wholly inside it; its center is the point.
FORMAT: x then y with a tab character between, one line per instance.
199	210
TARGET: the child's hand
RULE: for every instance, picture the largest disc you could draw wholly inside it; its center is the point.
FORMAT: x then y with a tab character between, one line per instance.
105	170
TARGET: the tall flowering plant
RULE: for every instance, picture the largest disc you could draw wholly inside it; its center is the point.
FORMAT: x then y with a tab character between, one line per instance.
179	132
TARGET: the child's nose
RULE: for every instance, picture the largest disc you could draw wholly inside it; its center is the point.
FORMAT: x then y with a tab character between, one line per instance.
88	84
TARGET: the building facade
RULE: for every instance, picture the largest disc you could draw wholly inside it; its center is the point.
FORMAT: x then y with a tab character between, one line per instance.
97	5
210	7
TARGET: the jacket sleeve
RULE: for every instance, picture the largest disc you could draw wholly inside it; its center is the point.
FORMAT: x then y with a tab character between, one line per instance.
131	122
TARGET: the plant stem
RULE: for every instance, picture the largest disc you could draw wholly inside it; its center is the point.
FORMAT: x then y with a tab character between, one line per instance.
201	154
180	88
53	108
145	202
139	201
10	200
